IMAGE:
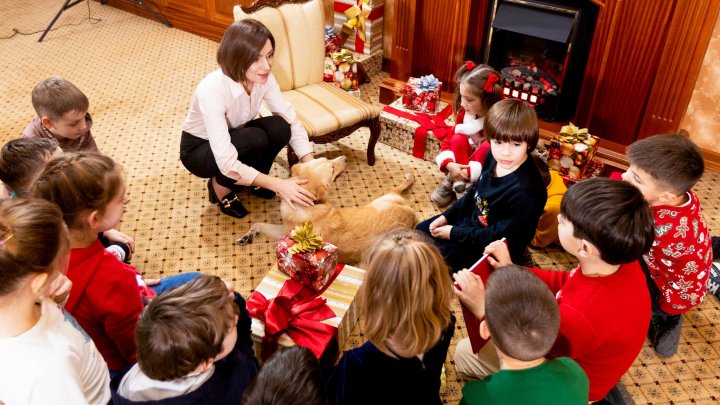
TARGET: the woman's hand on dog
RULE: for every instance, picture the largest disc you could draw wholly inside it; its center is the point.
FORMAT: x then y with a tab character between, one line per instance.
292	192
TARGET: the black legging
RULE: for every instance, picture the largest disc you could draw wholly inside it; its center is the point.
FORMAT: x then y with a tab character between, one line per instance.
257	145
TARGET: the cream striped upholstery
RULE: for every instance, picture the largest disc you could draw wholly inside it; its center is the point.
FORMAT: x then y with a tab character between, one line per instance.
298	68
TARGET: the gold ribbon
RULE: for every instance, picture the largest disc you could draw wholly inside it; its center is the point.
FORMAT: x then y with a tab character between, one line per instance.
357	15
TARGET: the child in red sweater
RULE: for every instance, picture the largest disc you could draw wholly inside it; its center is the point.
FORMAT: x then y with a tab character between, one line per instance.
665	168
604	302
107	295
463	151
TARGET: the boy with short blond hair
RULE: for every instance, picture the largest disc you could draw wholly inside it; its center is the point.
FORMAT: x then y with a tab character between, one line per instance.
62	114
522	317
604	302
665	168
193	346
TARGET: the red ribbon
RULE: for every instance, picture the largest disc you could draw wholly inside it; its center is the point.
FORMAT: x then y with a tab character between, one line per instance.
469	65
297	311
374	14
435	123
491	80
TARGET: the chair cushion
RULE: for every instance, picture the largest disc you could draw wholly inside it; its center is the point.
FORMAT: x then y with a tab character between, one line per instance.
324	108
299	35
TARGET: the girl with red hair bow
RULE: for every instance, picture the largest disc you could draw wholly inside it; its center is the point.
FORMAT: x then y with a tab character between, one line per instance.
461	155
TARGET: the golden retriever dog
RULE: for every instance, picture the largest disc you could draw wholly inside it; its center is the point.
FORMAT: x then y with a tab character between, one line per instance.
350	229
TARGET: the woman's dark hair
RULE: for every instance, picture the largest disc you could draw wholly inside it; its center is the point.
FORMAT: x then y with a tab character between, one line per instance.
240	47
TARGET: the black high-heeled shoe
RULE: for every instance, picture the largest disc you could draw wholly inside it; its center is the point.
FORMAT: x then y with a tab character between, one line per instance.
262	193
229	205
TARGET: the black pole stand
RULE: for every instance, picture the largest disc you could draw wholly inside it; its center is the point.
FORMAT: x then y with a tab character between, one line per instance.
69	3
65	6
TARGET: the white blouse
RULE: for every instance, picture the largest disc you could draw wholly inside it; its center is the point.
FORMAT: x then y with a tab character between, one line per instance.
219	103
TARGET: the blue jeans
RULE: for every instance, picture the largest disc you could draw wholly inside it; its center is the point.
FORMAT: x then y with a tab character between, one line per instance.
171	282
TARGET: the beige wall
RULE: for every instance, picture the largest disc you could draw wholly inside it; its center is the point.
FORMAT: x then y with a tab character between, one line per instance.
702	119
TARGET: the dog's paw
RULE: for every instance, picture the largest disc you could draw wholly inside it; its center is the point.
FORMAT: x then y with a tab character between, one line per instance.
246	239
410	178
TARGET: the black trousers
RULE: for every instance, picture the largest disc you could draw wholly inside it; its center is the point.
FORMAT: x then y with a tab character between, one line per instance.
257	145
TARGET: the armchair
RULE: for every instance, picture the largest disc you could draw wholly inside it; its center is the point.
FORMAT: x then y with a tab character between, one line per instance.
327	112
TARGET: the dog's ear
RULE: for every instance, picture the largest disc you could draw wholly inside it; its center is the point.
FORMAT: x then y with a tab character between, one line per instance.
295	170
338	165
321	193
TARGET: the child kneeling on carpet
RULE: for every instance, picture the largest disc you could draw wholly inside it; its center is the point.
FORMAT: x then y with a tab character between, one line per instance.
604	302
522	317
194	346
507	199
46	357
405	301
107	295
665	168
463	151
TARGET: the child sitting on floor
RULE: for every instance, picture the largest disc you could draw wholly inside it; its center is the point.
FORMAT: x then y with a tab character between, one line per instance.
665	168
22	160
463	151
405	301
547	232
604	302
507	199
62	114
46	357
107	295
522	317
193	347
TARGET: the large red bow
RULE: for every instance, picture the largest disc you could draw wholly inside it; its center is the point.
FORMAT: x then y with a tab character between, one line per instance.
297	311
491	80
469	65
435	123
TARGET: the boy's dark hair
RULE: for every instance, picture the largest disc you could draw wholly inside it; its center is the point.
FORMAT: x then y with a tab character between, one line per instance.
543	168
673	160
612	215
183	328
240	47
55	96
22	160
290	376
512	120
521	313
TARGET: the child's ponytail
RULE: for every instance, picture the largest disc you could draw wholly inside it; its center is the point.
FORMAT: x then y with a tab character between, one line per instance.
32	234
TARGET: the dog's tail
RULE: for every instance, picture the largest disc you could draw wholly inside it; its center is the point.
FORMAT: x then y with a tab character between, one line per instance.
406	185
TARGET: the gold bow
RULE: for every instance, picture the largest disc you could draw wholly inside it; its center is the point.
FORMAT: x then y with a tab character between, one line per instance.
357	15
306	241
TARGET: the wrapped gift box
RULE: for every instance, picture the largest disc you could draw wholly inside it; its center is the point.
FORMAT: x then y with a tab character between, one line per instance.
571	154
313	269
346	74
426	101
399	132
372	62
373	25
340	296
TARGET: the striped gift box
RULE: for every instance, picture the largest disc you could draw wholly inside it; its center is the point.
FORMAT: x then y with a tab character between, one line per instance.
339	295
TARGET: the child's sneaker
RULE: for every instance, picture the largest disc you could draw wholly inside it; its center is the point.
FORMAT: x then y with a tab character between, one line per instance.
713	282
443	194
459	186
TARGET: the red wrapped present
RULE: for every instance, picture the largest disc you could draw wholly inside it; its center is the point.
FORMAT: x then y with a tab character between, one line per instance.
422	94
305	258
333	43
571	151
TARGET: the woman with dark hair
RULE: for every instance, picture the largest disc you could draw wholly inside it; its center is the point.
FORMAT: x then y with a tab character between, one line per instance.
222	137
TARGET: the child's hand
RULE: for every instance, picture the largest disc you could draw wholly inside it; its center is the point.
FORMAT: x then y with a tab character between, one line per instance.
441	232
470	289
457	171
59	289
499	254
438	222
151	281
113	235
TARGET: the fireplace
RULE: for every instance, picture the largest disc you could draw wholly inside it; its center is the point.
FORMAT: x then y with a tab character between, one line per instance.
541	49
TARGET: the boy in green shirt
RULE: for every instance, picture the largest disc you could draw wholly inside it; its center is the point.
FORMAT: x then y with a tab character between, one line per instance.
522	317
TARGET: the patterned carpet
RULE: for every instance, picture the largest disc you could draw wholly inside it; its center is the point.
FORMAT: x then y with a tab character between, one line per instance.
139	76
